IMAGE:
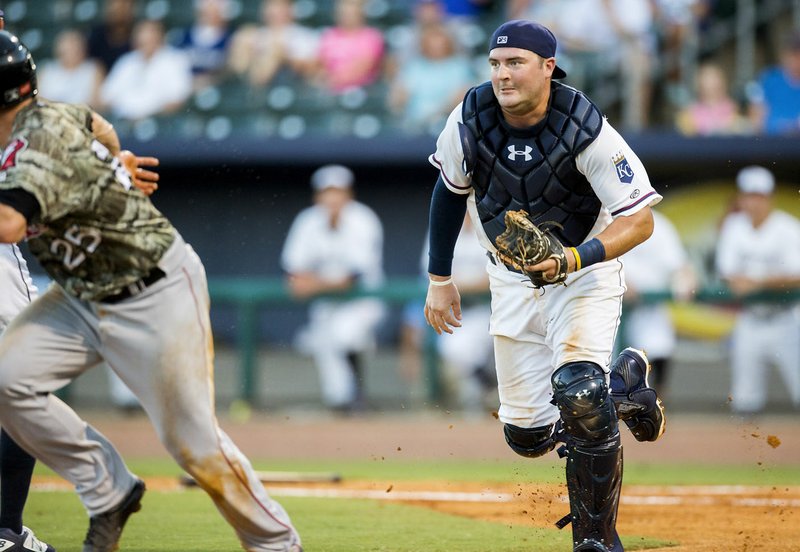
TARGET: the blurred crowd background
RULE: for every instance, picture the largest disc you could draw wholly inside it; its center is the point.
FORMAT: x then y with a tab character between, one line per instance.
243	100
211	68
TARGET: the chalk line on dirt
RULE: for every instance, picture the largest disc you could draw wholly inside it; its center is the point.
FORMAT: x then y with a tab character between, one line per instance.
636	495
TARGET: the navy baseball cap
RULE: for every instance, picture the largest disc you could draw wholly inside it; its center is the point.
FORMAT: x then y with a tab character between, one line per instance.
527	35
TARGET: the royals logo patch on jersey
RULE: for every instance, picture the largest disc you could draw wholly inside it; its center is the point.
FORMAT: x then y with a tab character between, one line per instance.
623	168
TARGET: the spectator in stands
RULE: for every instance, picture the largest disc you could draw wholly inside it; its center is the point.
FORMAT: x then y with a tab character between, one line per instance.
775	98
111	38
677	24
429	85
757	251
659	265
206	41
545	12
350	52
335	246
714	112
279	46
610	42
405	38
153	78
466	10
71	76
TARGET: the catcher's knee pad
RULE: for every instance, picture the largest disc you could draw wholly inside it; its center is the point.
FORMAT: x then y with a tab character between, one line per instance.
581	394
530	442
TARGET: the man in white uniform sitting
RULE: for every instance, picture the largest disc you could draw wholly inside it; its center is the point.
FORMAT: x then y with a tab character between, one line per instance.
333	247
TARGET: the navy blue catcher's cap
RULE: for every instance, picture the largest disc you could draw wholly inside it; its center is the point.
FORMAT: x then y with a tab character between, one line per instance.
527	35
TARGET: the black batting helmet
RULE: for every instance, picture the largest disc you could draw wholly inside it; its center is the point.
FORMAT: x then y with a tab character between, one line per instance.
17	71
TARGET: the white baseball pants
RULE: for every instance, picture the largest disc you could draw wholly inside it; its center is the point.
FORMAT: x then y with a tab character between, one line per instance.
536	331
759	342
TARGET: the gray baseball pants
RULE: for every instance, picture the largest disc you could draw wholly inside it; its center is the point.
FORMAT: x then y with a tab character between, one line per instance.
159	342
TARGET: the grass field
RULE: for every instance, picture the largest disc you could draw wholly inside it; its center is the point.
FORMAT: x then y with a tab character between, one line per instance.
182	520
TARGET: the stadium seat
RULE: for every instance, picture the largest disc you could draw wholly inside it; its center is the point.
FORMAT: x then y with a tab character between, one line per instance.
207	99
218	127
85	11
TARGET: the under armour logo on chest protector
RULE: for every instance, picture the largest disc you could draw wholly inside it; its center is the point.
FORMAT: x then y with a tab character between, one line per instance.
513	153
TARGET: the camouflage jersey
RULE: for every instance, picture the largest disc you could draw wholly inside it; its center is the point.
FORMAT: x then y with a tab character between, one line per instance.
96	233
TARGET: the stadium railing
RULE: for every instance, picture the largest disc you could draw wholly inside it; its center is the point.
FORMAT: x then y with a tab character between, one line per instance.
250	295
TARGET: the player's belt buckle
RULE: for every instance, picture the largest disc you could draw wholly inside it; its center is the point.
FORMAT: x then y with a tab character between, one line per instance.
136	287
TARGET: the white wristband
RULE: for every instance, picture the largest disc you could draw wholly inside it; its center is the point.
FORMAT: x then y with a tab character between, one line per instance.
441	283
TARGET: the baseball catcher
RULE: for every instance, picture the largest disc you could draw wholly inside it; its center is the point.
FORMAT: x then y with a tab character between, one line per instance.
523	245
522	140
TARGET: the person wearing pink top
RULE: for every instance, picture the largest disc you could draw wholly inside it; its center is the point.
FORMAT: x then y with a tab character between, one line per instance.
350	53
714	112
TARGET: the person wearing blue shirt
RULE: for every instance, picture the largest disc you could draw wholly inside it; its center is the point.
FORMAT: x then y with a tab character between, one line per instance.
775	99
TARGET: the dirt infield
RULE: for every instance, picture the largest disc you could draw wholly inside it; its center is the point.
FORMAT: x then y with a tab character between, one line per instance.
694	518
771	441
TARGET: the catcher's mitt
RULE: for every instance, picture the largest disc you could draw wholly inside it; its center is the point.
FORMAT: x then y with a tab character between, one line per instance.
524	244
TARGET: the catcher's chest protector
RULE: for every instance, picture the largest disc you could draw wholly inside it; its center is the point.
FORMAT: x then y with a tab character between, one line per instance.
532	169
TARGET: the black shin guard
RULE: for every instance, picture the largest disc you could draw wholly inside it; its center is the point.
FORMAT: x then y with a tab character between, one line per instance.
594	479
594	455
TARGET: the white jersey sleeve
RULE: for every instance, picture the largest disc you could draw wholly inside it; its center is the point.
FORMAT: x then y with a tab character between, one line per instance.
616	174
15	282
449	156
354	248
761	252
673	253
732	232
651	265
365	250
297	256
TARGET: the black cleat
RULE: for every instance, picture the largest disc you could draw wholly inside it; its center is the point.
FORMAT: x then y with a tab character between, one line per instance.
637	403
22	542
105	529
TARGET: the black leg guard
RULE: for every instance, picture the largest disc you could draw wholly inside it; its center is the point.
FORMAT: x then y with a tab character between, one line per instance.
594	478
594	455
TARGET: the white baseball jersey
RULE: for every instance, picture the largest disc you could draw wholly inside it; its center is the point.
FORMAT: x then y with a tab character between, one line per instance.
650	267
15	282
765	333
337	328
769	250
536	331
354	247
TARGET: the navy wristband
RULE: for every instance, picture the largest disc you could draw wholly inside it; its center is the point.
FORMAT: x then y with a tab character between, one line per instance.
590	253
